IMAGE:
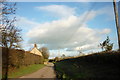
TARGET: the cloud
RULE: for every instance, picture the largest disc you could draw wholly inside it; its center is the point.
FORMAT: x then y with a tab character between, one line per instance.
25	23
108	11
85	47
106	31
71	32
58	10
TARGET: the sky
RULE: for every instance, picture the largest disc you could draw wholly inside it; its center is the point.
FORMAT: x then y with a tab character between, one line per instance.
66	27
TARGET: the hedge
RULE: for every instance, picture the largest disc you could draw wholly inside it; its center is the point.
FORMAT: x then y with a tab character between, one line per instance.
14	58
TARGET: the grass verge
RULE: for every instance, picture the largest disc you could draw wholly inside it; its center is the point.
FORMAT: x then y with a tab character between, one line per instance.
25	70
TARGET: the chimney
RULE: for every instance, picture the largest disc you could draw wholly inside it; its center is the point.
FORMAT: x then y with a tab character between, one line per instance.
35	45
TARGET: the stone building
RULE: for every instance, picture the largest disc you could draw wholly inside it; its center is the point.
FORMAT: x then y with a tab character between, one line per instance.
36	51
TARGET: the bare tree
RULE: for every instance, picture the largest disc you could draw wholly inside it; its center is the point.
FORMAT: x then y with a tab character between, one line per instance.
63	56
10	33
45	52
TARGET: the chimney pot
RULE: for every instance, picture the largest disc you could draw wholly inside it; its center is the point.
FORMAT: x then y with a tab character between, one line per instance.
35	45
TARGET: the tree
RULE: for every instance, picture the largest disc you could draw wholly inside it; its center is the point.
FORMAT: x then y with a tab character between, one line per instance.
117	22
11	37
57	59
10	34
106	44
45	52
63	56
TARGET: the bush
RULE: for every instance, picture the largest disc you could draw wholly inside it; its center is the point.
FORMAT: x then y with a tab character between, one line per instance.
57	59
41	60
17	58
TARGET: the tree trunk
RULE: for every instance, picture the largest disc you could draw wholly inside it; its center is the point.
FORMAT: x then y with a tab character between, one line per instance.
117	22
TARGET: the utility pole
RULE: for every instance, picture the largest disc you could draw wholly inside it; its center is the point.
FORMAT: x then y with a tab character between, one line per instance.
117	22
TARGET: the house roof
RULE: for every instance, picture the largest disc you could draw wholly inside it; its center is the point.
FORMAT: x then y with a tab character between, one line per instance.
35	50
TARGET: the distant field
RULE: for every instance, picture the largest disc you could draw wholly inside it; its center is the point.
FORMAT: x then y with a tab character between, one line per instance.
95	66
25	70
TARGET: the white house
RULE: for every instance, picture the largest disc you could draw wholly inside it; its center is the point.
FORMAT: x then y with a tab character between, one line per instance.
36	51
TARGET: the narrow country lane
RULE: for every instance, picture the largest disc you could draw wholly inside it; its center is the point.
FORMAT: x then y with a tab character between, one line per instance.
46	72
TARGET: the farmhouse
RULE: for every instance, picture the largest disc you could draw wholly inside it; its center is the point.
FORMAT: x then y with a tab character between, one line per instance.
36	51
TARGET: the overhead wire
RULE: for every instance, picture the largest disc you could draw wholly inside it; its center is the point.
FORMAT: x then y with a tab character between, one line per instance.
82	22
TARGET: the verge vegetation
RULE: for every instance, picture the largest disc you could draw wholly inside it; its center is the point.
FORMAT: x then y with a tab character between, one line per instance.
25	70
103	65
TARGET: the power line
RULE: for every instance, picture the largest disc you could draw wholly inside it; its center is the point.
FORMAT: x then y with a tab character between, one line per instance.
82	22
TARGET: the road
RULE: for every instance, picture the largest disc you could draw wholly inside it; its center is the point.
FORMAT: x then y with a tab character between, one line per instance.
45	72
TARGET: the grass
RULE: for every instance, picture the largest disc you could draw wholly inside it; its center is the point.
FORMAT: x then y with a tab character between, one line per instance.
95	66
25	70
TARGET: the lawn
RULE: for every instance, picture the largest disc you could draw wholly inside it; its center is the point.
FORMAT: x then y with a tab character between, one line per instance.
25	70
96	66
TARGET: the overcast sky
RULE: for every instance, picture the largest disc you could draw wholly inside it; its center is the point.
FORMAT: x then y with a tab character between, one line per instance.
66	27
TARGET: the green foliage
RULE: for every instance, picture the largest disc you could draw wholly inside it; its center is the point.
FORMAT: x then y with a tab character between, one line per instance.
25	70
56	59
95	66
42	60
18	58
106	45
